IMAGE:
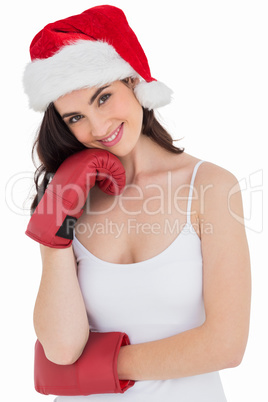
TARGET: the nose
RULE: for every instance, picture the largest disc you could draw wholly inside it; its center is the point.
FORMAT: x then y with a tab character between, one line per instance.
99	125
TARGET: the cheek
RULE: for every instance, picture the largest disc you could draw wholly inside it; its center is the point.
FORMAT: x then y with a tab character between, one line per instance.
81	134
129	109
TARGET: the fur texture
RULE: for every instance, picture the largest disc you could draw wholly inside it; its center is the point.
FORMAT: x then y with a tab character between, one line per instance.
153	94
85	64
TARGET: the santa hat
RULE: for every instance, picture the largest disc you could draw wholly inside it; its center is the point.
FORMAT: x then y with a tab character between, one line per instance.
90	49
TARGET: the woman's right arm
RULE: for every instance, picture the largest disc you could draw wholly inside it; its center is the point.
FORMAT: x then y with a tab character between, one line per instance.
60	317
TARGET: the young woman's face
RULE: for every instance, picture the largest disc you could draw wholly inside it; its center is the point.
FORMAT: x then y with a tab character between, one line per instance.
109	117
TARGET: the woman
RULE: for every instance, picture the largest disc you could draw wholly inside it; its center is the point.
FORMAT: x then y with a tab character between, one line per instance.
164	262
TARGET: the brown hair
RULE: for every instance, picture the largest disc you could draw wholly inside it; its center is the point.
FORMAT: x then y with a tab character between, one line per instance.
55	142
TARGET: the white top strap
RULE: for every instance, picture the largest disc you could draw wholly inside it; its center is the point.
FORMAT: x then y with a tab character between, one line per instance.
189	205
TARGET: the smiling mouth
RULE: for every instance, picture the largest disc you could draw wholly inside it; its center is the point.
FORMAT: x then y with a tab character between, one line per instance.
114	137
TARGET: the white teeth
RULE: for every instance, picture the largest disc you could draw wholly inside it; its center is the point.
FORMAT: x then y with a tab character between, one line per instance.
113	136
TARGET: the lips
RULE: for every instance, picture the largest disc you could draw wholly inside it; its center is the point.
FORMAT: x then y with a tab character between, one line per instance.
113	138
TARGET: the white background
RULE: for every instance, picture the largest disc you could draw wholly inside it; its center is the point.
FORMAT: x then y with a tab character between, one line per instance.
214	56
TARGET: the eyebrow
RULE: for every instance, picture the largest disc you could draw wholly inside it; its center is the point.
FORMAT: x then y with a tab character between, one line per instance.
99	90
92	99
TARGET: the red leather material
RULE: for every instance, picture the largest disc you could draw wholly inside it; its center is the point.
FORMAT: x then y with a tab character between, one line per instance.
66	194
95	372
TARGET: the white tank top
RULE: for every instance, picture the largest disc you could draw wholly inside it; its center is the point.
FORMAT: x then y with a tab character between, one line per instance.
150	300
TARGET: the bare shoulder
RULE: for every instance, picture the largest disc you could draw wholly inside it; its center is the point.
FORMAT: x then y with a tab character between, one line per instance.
222	189
219	199
208	172
217	194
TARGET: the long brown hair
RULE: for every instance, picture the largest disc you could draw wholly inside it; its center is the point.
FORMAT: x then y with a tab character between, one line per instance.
55	142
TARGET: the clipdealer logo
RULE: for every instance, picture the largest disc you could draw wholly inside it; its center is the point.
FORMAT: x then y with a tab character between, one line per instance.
20	187
251	188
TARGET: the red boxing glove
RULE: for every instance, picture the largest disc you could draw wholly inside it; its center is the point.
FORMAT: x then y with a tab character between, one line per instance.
53	220
95	372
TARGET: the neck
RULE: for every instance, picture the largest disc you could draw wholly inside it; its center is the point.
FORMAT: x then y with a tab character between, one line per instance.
147	156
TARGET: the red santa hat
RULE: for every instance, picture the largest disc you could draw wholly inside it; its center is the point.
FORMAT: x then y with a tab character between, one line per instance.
90	49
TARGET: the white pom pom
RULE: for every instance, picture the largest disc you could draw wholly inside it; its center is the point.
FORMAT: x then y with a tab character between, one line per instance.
153	94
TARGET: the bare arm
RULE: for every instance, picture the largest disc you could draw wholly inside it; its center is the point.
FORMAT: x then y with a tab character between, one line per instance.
60	317
220	342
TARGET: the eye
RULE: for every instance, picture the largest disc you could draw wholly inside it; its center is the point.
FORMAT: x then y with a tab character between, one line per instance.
75	119
104	98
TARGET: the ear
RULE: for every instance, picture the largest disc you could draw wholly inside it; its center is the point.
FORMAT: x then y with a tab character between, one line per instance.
131	82
134	81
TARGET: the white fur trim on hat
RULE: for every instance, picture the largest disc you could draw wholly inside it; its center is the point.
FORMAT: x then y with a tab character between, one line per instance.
153	94
84	64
